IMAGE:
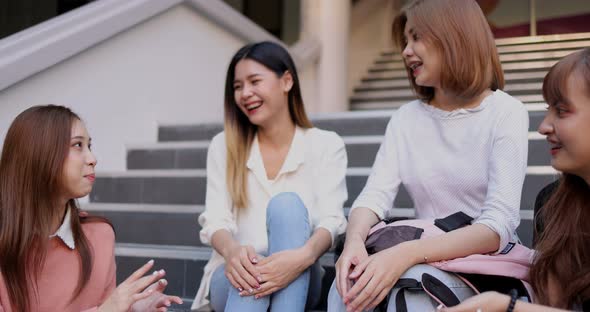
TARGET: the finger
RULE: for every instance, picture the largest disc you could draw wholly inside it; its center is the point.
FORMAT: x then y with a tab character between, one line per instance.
248	278
266	293
232	281
252	254
139	272
379	298
243	285
342	279
142	295
365	296
141	284
371	295
252	271
264	261
358	287
359	268
175	299
162	309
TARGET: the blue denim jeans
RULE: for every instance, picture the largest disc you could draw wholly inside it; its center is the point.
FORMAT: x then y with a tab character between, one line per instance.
288	227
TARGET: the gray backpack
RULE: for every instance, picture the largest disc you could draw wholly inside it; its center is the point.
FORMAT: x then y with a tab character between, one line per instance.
424	287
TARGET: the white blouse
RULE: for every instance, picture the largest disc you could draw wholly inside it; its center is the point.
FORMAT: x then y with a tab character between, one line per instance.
472	160
315	169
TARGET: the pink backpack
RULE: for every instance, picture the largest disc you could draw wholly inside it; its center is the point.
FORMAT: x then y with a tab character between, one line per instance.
513	262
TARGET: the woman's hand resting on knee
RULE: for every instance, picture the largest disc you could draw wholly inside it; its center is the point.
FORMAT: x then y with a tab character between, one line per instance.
280	269
241	271
140	293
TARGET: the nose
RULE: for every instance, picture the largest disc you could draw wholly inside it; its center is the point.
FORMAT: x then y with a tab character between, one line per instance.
91	159
246	91
546	126
407	51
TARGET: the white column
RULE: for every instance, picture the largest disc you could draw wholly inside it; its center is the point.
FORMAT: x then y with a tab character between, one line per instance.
334	22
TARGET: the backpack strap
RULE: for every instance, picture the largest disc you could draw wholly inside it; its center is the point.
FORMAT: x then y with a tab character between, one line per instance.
400	297
438	291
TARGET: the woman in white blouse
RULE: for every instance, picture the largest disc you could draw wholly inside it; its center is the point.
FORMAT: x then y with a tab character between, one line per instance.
275	191
461	147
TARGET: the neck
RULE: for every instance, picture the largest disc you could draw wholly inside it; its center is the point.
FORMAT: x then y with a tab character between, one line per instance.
277	134
59	217
449	101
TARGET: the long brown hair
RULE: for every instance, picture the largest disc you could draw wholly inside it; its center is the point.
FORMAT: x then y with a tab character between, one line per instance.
31	181
239	131
563	248
460	33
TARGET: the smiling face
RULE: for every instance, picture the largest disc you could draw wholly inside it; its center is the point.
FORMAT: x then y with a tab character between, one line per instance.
567	126
421	57
78	167
260	94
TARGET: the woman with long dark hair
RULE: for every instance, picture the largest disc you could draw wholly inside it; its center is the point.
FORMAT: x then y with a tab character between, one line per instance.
53	257
560	274
275	191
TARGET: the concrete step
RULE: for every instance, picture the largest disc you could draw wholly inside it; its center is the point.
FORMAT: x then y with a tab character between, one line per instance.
169	226
377	101
361	152
394	92
187	187
399	83
345	123
390	61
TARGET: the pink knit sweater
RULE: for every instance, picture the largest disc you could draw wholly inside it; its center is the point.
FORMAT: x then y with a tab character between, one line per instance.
59	277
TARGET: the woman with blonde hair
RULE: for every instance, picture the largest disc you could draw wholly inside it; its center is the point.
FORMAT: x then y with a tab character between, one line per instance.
461	147
275	191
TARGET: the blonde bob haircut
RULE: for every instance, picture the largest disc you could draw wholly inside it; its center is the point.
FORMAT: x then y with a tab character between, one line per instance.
239	131
459	32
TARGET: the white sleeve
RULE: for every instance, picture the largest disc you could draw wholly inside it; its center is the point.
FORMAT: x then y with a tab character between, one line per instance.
218	212
331	187
507	170
383	183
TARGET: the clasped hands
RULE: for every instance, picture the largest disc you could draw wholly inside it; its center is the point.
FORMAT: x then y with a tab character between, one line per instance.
254	275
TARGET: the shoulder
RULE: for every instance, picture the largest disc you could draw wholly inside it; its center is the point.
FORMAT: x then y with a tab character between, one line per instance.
508	104
218	140
319	137
98	231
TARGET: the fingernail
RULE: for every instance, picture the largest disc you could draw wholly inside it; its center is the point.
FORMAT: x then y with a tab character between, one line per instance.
155	272
440	306
240	289
256	297
167	303
259	279
254	260
162	272
163	281
250	290
258	287
151	261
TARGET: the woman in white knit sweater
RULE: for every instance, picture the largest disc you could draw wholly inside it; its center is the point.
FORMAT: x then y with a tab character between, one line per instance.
461	147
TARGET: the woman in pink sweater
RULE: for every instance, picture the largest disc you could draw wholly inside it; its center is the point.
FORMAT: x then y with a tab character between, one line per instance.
53	257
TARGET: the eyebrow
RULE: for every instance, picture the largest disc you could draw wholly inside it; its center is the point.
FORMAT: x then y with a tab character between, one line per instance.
80	137
249	76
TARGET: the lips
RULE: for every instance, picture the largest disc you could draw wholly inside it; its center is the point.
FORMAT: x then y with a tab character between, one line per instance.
90	177
415	67
253	106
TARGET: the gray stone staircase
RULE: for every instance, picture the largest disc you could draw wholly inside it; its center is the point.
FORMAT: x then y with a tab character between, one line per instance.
154	204
525	61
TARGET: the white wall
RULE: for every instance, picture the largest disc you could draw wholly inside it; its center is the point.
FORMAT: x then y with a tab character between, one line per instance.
169	69
369	35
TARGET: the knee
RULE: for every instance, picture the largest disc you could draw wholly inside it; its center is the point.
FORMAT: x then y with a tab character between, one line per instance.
285	206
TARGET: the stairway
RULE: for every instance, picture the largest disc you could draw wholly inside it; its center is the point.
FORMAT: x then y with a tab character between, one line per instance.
525	61
154	205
